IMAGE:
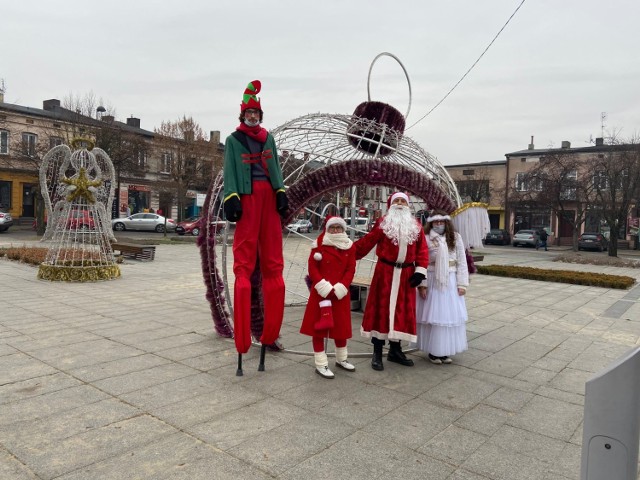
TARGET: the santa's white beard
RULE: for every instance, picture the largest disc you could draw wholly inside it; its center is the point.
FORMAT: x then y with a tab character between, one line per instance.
399	224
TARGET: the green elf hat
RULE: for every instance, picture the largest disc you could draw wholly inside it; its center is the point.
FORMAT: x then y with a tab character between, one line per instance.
249	99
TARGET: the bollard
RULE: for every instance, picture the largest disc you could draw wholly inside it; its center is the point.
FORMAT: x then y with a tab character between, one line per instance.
611	427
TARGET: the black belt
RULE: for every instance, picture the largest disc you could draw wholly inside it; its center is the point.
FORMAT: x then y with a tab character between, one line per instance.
397	264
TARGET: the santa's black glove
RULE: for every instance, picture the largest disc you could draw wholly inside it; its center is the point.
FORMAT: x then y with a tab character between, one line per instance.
233	209
416	279
282	203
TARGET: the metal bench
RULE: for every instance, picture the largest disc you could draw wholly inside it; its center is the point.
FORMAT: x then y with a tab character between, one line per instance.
145	253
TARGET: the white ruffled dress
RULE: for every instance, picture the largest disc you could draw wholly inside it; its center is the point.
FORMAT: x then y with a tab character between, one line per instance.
442	316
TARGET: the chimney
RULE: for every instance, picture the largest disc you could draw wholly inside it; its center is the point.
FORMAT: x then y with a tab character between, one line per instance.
566	144
531	147
214	137
133	122
107	118
51	105
599	142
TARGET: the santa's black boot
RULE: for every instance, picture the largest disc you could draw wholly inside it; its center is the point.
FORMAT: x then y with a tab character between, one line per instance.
396	355
376	360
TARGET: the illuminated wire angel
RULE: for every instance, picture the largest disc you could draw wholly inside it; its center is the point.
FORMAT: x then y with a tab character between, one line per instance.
78	194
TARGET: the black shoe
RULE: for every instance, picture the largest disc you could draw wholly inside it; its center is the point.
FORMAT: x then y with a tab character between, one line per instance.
376	360
396	355
376	364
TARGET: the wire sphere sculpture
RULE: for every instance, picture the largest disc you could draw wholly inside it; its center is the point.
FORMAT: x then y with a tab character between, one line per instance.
321	156
78	192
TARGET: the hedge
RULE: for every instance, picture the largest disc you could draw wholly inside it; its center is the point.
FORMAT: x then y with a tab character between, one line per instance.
591	279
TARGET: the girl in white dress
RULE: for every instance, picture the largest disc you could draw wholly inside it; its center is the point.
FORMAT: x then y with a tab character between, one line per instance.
441	309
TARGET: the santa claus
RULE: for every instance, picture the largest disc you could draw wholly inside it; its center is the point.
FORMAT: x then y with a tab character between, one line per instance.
403	258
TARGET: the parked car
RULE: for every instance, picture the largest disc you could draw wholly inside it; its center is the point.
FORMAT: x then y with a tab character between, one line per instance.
80	220
5	220
191	225
301	226
528	238
497	236
143	221
593	241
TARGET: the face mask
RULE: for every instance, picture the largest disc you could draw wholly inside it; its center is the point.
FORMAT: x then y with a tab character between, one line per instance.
251	124
439	229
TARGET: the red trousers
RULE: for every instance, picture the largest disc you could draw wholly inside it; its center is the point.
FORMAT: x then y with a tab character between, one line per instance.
258	233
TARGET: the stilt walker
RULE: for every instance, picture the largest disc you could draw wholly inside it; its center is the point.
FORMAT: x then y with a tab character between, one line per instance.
255	198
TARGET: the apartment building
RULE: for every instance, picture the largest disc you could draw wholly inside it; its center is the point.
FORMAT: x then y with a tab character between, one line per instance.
145	162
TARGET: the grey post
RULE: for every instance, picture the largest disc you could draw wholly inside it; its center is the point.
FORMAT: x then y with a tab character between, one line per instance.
612	421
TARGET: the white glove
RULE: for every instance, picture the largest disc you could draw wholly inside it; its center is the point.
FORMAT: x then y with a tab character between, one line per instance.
323	288
340	290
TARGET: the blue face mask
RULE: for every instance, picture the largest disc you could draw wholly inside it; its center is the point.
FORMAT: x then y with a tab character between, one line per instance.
439	229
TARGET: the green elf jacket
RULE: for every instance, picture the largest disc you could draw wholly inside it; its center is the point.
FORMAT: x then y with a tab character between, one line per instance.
237	173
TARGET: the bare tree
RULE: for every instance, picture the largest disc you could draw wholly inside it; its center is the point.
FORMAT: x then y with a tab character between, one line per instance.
186	157
477	185
87	104
616	179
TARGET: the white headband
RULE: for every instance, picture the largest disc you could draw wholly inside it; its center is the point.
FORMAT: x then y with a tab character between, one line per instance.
399	195
438	217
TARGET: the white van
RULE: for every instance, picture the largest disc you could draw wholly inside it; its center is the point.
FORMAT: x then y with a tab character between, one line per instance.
362	226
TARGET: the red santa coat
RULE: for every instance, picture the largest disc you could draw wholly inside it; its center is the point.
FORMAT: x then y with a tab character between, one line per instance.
391	303
335	266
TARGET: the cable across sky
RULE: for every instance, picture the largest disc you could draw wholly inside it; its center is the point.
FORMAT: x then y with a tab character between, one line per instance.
470	68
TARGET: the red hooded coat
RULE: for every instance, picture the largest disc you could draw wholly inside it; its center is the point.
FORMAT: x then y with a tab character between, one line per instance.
335	266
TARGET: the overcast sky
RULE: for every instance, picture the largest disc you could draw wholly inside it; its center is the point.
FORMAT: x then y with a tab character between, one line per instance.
551	73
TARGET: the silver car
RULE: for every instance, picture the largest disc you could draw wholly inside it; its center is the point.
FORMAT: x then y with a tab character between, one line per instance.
528	238
143	221
5	220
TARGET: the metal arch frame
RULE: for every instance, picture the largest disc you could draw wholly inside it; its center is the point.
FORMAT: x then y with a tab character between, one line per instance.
331	145
406	115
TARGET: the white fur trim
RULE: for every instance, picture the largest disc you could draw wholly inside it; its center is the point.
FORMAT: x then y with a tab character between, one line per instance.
317	256
340	290
320	359
421	270
336	221
314	244
341	354
325	303
323	288
399	195
438	217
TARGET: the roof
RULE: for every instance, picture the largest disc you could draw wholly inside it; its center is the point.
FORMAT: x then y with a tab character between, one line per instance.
590	149
490	163
62	114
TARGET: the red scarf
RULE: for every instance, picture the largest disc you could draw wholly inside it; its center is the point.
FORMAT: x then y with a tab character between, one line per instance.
257	133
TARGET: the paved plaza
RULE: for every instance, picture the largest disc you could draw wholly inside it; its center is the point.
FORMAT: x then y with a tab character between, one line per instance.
127	380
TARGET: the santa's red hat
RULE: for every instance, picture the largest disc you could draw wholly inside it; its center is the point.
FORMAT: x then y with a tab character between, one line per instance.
393	196
249	99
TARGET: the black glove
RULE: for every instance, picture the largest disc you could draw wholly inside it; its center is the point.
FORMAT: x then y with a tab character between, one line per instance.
416	279
233	209
282	203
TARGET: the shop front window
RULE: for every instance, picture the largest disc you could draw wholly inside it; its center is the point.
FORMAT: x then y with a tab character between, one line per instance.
5	195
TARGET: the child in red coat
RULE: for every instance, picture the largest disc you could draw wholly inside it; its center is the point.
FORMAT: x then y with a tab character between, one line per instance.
332	265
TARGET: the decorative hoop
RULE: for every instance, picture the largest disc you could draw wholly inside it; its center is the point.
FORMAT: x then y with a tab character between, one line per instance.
405	74
77	142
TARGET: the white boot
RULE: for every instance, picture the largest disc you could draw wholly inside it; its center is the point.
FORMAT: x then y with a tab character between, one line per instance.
322	365
341	360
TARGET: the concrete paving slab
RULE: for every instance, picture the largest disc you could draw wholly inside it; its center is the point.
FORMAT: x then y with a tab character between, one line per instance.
103	381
